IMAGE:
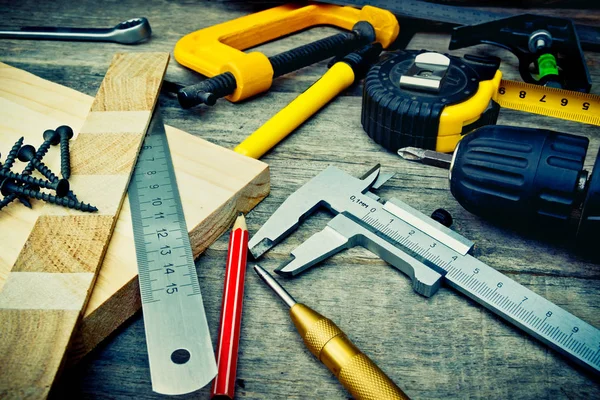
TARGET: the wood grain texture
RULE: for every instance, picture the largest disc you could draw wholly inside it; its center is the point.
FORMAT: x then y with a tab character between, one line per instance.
65	244
133	85
69	245
29	368
443	347
236	183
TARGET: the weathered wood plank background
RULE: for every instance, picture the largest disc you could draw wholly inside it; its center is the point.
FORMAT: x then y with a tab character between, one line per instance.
443	347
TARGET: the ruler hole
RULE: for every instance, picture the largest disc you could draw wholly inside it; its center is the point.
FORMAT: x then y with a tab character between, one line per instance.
180	356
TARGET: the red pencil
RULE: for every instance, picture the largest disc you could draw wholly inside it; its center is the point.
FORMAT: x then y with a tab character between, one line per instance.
231	311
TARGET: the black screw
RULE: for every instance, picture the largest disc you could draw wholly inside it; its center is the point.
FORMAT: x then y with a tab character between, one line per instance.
65	133
11	197
51	138
7	200
25	201
7	187
27	171
12	154
28	153
61	186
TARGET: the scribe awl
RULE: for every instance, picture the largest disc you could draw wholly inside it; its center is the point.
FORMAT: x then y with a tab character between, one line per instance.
422	248
355	371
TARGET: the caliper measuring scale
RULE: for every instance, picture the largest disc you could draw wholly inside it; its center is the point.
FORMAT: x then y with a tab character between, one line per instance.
424	250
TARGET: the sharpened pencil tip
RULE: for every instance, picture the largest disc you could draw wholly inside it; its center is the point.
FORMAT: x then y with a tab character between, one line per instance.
240	222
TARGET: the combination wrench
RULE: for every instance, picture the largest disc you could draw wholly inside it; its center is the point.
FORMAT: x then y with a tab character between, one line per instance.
131	31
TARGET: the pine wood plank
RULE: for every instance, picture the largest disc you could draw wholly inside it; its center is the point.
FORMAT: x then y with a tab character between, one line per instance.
444	347
131	85
214	183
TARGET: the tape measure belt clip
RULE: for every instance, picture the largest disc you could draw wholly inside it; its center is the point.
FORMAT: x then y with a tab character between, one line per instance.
407	97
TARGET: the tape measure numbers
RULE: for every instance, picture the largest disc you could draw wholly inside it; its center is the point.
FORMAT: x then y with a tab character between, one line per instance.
552	102
177	335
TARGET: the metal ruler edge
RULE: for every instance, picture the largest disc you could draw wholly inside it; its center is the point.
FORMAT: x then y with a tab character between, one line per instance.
180	349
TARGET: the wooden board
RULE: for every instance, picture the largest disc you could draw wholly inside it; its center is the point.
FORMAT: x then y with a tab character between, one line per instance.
51	279
215	184
445	347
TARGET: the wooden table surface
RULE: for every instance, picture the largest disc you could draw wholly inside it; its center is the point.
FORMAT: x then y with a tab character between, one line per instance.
443	347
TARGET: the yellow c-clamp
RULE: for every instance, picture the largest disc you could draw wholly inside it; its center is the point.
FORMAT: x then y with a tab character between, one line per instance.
216	51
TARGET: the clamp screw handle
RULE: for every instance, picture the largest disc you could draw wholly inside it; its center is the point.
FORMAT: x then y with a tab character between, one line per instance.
209	90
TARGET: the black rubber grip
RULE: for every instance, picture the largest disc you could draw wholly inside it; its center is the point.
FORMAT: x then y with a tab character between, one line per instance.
516	175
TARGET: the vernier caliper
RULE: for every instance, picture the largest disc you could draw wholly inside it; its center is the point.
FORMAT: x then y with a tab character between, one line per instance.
423	249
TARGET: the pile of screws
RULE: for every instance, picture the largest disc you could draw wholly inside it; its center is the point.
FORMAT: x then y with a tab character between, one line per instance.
23	186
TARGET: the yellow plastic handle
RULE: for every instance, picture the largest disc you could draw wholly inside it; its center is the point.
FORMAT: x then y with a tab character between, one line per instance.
336	79
217	49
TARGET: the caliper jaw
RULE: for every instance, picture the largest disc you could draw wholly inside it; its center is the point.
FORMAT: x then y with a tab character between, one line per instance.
328	188
342	233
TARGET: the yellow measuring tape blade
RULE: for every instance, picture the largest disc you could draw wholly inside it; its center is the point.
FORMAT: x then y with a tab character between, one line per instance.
557	103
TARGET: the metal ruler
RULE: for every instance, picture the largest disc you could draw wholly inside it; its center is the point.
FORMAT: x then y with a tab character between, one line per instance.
543	100
589	35
179	346
425	250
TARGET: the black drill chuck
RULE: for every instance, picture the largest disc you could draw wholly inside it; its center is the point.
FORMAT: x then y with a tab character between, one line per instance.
526	178
520	175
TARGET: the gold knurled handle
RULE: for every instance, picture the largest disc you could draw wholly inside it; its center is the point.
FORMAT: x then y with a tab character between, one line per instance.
365	381
356	372
319	334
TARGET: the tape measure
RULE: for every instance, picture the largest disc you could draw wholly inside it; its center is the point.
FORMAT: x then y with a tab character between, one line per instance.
431	100
428	99
177	336
548	101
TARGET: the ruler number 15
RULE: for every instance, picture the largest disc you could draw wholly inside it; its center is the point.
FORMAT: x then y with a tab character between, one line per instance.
172	288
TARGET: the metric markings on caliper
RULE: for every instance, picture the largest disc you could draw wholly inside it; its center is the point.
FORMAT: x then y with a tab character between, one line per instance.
423	249
179	346
510	300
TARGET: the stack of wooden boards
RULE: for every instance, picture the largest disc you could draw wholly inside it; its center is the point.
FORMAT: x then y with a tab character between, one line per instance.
50	256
